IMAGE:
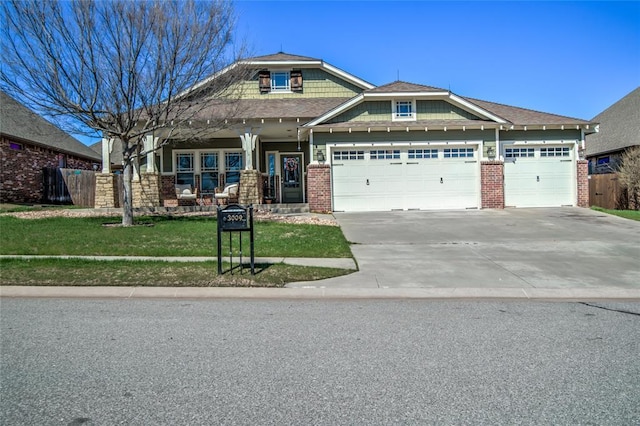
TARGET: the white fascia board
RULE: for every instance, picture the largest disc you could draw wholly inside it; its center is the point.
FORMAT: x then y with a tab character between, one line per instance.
438	143
207	80
337	110
466	105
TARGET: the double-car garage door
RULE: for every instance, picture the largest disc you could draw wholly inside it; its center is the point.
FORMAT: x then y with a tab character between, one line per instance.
390	178
380	178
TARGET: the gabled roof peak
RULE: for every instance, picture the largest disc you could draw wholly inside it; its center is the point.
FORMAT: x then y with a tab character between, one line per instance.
284	57
404	86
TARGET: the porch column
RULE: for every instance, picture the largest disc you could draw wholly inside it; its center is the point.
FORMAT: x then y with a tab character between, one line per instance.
107	147
149	148
248	145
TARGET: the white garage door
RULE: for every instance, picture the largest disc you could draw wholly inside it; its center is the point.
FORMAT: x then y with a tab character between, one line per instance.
539	176
405	178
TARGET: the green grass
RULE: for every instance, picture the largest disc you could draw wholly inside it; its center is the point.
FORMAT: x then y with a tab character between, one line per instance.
86	273
163	236
627	214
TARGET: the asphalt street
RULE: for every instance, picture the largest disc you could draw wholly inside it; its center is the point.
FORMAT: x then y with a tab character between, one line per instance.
321	362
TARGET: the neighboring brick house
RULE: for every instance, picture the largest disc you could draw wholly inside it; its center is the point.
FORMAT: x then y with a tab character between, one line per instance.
319	135
619	130
28	144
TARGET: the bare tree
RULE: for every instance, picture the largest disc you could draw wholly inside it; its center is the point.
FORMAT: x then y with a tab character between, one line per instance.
121	68
629	175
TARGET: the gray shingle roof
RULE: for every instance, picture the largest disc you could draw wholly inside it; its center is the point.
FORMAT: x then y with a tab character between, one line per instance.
523	116
619	126
303	108
20	123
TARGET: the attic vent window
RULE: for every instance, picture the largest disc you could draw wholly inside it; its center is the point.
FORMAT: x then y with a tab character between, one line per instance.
404	110
280	81
15	146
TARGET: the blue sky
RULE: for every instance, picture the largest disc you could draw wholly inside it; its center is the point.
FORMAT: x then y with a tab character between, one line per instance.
567	58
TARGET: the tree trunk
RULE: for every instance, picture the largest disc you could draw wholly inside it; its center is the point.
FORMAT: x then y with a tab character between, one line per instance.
127	207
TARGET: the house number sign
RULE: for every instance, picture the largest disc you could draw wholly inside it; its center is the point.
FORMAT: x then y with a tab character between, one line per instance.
235	218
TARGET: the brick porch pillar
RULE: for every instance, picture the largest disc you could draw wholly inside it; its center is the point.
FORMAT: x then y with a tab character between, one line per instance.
492	184
583	183
319	188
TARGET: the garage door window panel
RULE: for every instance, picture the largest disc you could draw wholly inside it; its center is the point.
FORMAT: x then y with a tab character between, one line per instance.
419	154
555	152
384	154
348	155
519	153
458	153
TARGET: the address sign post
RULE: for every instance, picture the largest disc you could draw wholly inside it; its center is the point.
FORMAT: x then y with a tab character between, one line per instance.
235	218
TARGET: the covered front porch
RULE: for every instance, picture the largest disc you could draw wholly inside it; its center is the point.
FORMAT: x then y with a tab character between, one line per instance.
269	161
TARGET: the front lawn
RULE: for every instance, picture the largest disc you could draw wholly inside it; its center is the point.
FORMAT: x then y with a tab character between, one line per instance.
627	214
163	236
159	236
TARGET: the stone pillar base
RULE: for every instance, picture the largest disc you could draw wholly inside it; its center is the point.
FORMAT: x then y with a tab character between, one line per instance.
250	187
146	191
106	191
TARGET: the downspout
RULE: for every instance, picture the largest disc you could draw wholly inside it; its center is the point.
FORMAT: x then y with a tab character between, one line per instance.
311	146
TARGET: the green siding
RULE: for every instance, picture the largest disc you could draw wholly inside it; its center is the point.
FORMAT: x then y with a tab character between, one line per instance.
316	83
441	110
371	111
540	135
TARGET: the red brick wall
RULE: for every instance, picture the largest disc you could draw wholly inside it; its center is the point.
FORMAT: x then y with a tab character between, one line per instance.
21	170
583	183
319	187
492	184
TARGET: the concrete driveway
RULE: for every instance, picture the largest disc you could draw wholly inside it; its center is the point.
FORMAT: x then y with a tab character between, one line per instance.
551	248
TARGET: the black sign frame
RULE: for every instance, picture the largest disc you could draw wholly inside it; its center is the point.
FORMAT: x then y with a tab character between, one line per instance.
235	218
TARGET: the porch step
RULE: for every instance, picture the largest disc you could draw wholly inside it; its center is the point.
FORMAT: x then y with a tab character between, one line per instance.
283	208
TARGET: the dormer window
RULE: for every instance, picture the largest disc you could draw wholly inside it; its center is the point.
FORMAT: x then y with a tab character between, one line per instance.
279	81
404	110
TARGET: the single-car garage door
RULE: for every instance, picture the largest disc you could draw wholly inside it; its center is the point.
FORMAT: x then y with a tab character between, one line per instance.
539	176
380	179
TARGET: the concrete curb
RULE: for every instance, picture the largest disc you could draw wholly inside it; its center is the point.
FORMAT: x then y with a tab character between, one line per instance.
320	293
339	263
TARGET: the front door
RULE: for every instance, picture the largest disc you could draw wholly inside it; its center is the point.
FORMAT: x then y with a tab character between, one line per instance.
291	178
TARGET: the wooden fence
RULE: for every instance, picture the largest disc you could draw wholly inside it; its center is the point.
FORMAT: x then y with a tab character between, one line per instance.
605	191
69	186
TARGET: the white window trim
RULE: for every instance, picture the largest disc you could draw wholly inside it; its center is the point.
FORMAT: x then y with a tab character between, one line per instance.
394	115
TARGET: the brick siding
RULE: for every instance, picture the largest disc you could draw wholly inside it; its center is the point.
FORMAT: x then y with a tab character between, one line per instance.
319	188
21	170
492	184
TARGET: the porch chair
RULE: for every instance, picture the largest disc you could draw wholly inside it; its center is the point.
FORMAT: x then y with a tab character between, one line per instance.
185	192
228	195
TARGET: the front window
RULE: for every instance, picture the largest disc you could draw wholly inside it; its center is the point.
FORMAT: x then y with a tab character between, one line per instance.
404	110
209	171
280	81
233	163
184	169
